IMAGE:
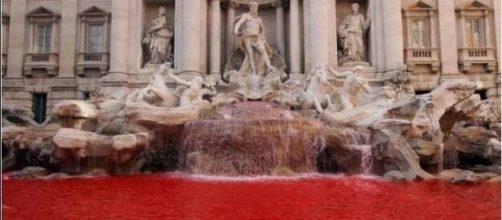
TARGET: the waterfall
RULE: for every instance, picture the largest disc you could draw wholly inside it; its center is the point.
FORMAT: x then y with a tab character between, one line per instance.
255	139
366	158
360	141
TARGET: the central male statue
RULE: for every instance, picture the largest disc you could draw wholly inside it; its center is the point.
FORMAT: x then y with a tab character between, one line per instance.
249	27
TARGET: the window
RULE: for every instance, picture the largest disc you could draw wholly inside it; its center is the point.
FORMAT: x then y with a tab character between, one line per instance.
419	32
86	95
95	38
474	32
44	32
39	106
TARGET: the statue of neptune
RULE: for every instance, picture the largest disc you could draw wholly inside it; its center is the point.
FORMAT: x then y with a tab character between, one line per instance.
252	41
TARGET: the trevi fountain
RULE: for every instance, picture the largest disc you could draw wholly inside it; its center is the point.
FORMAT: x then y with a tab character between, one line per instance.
256	127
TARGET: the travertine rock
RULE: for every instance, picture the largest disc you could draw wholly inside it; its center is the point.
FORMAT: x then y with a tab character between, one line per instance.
156	117
459	176
119	153
76	114
392	152
75	109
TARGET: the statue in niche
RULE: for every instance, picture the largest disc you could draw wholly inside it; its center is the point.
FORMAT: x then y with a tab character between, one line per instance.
418	34
254	55
351	32
158	38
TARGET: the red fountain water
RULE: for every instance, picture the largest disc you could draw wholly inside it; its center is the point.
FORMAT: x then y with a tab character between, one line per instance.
252	138
175	197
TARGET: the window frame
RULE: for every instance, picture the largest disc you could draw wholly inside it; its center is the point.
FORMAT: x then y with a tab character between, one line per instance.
88	37
37	38
94	16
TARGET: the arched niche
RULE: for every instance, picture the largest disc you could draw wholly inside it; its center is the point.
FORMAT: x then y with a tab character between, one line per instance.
149	13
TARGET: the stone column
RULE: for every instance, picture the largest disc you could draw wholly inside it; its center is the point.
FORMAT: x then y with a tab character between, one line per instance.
318	33
280	39
393	31
448	40
498	32
231	6
294	38
120	41
68	38
115	83
215	36
494	93
190	29
16	39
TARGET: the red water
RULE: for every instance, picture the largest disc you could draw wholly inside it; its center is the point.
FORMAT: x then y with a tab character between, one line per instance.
172	196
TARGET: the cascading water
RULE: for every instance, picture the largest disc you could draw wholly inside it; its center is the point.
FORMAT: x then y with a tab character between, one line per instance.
361	142
252	139
366	158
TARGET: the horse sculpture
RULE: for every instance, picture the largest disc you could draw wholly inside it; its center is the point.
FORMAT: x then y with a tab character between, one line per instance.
318	89
156	93
354	85
347	98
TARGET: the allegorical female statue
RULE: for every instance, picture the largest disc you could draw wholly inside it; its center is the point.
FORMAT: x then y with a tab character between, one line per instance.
351	32
158	38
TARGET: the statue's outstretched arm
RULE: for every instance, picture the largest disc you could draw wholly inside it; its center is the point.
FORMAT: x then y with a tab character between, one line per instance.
237	26
178	80
338	74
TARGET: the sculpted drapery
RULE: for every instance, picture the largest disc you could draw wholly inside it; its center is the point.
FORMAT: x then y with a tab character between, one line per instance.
351	32
158	39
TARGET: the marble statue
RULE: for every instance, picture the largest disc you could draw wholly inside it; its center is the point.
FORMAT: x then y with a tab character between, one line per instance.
354	85
249	27
192	92
156	93
351	32
158	38
233	91
318	89
418	34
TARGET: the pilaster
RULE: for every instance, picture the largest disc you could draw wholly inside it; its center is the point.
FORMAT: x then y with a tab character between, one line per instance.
215	38
294	37
16	39
68	38
393	32
189	31
280	27
448	40
318	43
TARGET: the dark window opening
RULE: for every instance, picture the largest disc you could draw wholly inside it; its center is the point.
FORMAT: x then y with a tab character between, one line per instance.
86	95
39	106
482	94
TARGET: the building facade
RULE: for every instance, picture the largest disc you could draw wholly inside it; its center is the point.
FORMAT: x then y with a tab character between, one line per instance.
55	50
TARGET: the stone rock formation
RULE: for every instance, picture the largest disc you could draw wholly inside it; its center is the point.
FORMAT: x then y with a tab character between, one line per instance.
76	149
